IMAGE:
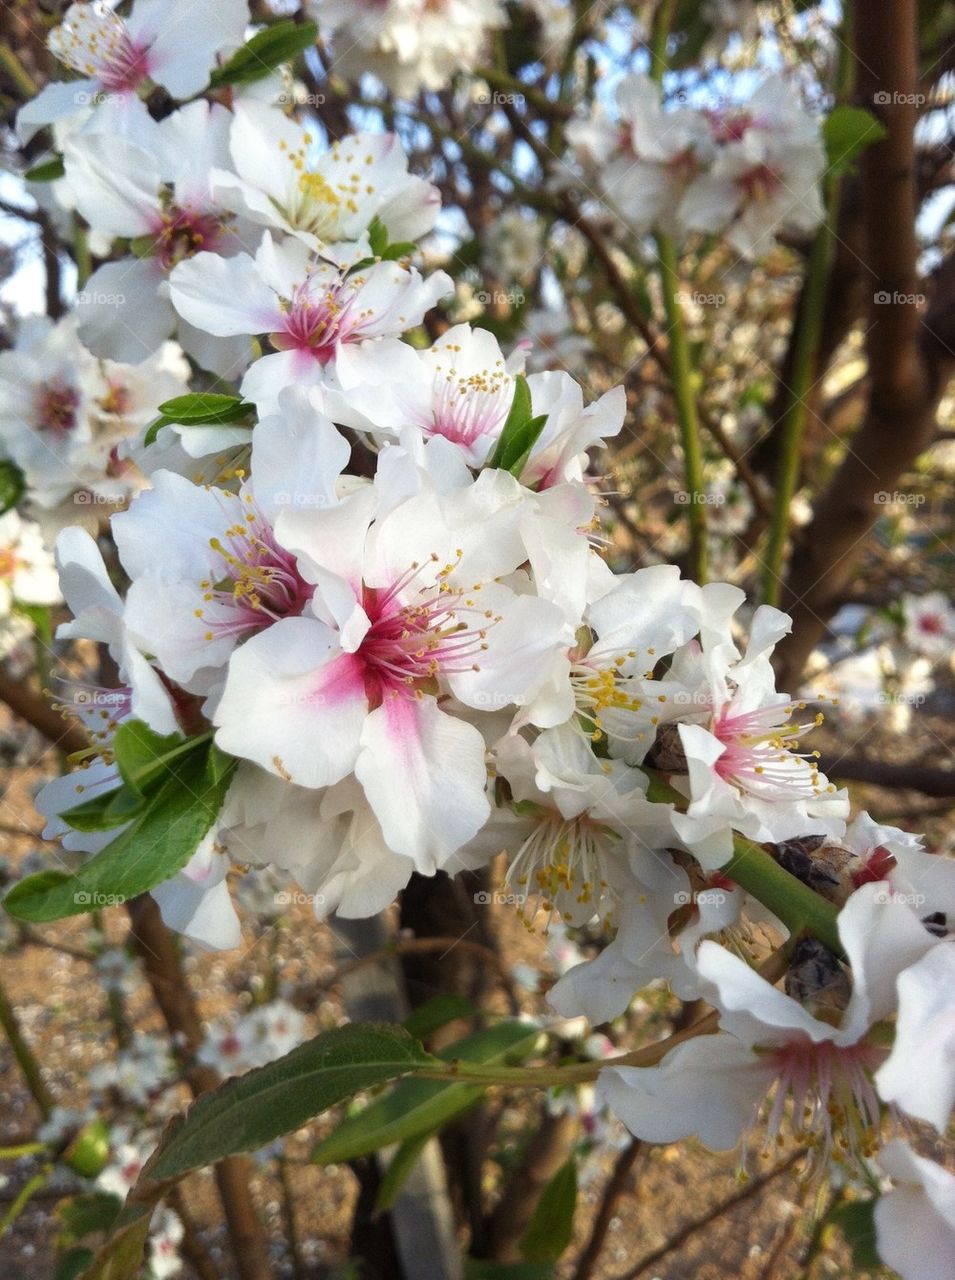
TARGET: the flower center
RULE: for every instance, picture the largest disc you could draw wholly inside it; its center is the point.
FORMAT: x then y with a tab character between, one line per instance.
559	870
469	406
439	631
183	232
56	407
758	756
835	1108
256	581
759	184
319	318
931	624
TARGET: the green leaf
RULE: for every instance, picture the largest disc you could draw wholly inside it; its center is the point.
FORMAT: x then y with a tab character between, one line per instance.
438	1012
199	409
268	49
421	1106
261	1105
399	1168
377	236
846	132
106	811
46	171
519	434
204	407
551	1227
158	844
856	1220
12	485
82	1215
72	1265
144	757
121	1257
400	249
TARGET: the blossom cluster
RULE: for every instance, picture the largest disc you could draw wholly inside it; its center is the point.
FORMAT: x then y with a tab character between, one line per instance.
363	558
747	171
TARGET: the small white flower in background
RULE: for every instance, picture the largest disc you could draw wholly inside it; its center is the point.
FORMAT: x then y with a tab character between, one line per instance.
137	1072
165	1237
766	175
915	1219
929	624
66	419
277	1028
408	44
646	159
269	1031
122	1173
514	246
118	971
27	571
61	1122
229	1046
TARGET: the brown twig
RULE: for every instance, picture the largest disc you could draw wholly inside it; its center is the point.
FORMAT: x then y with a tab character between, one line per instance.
745	1193
616	1186
157	949
550	1148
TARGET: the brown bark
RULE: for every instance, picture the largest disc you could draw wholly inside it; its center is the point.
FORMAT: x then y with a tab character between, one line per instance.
157	950
909	357
550	1148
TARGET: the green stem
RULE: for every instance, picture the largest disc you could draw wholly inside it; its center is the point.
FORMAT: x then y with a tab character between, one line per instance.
17	72
23	1197
662	22
799	907
681	374
809	323
81	253
24	1056
24	1149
